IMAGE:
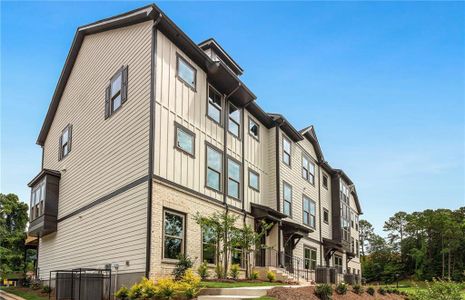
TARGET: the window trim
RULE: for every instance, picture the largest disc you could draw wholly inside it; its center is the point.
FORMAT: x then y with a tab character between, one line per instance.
284	151
327	181
284	199
327	211
305	197
69	129
258	176
180	57
257	138
178	126
184	236
238	136
220	123
311	248
240	178
209	145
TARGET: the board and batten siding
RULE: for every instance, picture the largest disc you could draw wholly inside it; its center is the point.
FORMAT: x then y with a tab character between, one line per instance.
106	154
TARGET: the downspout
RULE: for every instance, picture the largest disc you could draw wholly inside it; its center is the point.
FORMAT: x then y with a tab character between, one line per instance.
153	60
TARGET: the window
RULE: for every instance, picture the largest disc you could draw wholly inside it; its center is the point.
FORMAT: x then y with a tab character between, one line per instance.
338	263
254	129
254	180
214	105
184	139
208	246
65	142
308	170
234	178
116	92
186	72
287	193
214	168
234	120
325	181
325	216
309	258
173	235
309	212
286	151
37	200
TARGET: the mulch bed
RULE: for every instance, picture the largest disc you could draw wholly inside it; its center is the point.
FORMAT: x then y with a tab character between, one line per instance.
307	293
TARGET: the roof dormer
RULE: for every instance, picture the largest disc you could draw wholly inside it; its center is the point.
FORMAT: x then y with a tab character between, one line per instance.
217	53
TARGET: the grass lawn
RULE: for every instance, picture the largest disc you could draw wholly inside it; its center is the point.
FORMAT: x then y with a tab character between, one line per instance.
220	284
25	293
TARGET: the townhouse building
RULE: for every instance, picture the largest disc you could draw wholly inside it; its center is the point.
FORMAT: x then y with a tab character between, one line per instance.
146	129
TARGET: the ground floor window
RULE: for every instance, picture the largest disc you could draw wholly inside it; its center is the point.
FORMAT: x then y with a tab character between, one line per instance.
338	263
173	235
309	258
208	246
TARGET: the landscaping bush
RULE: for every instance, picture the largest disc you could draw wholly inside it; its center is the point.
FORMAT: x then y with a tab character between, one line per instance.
203	270
371	290
234	271
382	291
271	276
254	275
439	290
341	288
184	263
122	293
358	289
324	291
46	289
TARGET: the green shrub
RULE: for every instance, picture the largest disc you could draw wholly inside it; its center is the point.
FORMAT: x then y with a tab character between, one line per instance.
324	291
46	289
371	290
341	288
203	270
184	263
234	271
439	290
271	276
382	291
254	275
358	289
122	293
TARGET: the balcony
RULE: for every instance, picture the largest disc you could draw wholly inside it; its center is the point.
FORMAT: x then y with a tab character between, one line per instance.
44	203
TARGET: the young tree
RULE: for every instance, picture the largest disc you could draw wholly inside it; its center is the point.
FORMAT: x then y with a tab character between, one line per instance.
13	220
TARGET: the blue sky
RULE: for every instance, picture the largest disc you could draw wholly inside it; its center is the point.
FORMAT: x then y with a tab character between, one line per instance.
382	82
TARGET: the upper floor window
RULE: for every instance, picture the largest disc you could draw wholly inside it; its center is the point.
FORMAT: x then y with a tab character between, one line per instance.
309	258
234	178
116	92
287	197
184	139
186	72
37	200
286	151
234	120
325	181
173	235
309	212
325	216
254	180
308	170
254	129
65	141
214	168
214	105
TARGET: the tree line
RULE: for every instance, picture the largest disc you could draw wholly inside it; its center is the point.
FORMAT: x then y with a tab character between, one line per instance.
426	245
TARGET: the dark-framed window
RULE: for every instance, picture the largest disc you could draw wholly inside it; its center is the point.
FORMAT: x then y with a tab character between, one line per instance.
214	105
186	72
116	93
208	246
286	151
234	123
254	129
325	216
309	212
65	141
234	178
254	180
325	181
214	168
287	197
309	258
173	234
338	263
308	169
184	139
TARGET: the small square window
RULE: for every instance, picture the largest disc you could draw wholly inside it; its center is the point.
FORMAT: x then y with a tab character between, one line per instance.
254	129
186	72
185	140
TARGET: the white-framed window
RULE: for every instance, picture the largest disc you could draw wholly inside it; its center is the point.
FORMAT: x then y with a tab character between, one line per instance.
309	212
254	180
215	104
287	197
308	169
214	168
234	123
254	129
286	151
234	178
186	72
65	141
184	140
309	258
173	234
